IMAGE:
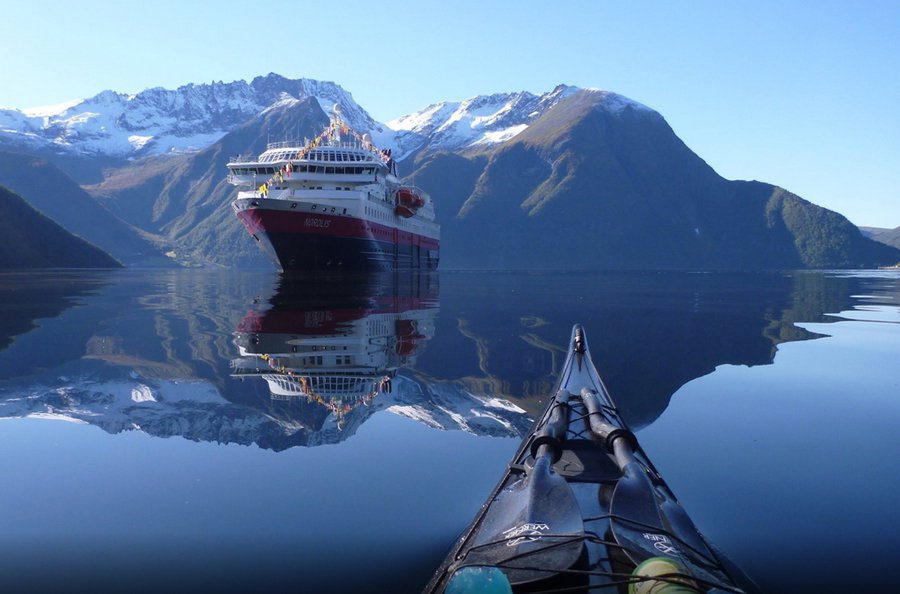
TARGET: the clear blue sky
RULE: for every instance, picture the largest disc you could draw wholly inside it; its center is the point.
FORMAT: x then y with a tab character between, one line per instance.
805	95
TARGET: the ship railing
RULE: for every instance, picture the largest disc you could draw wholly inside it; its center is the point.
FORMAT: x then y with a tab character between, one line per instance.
282	144
243	159
239	180
375	156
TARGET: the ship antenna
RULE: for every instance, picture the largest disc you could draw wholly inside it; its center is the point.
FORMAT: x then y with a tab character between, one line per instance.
336	120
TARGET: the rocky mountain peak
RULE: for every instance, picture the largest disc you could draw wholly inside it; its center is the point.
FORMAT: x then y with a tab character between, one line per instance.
194	116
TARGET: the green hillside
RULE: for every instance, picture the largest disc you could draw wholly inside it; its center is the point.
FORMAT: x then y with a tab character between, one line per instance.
31	240
591	186
55	194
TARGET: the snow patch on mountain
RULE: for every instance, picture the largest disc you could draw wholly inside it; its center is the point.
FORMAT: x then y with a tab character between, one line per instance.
158	120
47	111
615	103
194	116
476	122
195	409
142	393
499	135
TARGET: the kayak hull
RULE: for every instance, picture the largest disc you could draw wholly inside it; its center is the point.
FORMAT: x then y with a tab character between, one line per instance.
625	522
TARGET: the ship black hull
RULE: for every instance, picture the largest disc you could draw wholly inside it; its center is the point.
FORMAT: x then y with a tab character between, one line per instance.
299	241
295	252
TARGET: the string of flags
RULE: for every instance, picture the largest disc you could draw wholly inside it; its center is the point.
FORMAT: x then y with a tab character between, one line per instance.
284	172
338	406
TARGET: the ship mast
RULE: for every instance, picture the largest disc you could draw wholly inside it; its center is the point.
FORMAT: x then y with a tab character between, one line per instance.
336	123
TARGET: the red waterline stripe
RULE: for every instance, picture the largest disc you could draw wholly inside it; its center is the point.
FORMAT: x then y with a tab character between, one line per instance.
284	221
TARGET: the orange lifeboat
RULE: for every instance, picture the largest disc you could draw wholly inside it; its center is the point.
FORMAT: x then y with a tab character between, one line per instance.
408	337
403	211
409	198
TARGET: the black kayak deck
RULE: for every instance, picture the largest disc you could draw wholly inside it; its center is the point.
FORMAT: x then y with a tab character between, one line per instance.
628	521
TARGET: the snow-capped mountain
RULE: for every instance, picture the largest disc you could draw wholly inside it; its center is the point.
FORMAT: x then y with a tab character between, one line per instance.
158	120
481	120
194	116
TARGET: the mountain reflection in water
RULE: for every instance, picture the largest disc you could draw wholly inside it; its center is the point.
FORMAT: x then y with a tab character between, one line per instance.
313	358
300	360
223	359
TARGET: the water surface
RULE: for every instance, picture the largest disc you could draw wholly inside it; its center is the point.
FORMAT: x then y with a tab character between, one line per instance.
185	430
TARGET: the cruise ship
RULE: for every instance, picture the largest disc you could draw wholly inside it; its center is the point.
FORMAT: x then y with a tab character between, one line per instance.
334	203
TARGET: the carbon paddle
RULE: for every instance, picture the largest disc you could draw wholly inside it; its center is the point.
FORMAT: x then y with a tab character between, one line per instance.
533	528
635	517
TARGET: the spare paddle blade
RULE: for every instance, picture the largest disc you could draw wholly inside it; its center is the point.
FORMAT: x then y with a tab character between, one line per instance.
533	529
636	522
639	528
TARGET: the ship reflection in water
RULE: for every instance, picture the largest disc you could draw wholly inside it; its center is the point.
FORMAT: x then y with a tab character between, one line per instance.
314	358
336	343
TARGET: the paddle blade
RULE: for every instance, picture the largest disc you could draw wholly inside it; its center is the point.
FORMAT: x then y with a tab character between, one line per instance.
636	522
639	527
533	529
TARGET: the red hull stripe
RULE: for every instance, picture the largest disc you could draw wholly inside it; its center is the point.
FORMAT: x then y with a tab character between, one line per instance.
281	221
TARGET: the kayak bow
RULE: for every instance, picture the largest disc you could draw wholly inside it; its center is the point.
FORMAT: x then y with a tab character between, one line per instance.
581	508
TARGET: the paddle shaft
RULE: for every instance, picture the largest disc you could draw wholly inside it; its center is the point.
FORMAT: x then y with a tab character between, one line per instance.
620	442
552	434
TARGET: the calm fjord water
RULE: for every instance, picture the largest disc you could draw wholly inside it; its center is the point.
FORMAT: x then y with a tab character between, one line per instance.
156	435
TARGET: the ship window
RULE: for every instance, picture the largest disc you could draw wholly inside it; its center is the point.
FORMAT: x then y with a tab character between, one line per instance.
329	170
339	170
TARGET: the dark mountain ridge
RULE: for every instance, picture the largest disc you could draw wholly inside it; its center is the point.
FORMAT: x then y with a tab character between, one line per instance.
886	236
55	195
597	181
32	240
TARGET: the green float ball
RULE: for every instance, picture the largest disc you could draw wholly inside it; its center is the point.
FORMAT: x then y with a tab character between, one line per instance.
658	566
